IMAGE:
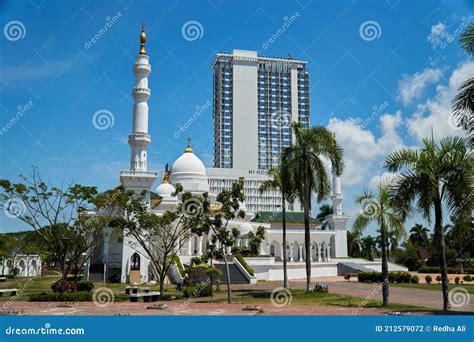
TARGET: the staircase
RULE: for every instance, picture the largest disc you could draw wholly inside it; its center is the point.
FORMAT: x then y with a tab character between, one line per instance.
351	267
236	276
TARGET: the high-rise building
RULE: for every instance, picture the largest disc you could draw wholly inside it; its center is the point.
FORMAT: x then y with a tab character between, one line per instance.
255	100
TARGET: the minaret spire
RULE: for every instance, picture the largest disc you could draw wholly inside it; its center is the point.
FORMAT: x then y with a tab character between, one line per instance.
142	40
139	177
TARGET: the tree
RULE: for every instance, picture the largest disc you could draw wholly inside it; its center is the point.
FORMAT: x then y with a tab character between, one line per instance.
159	237
59	215
377	208
213	220
302	163
463	102
368	247
324	211
277	181
434	176
353	244
419	235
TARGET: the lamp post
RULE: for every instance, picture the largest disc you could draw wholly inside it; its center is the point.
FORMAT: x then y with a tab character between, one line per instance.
64	242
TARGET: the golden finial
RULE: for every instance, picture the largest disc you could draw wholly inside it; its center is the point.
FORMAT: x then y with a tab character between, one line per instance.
189	149
142	41
166	178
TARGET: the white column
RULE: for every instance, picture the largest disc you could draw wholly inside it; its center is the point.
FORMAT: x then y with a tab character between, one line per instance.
300	250
199	249
291	253
190	251
329	252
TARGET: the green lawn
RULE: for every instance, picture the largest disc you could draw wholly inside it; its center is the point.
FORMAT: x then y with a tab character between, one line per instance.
435	287
253	297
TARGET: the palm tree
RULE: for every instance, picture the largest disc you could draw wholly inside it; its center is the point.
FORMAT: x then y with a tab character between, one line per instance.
277	181
353	244
463	102
324	211
434	176
378	208
419	235
303	163
368	247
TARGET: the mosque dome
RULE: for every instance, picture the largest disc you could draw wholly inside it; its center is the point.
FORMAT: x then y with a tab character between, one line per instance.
190	172
165	190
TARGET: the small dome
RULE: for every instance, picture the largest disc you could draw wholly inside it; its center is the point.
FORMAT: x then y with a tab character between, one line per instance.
245	228
165	190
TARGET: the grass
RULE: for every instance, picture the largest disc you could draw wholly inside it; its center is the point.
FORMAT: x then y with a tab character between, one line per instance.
302	298
434	287
243	296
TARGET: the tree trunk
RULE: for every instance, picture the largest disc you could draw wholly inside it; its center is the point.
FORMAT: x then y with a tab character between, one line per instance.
442	252
385	280
162	285
229	295
285	252
307	236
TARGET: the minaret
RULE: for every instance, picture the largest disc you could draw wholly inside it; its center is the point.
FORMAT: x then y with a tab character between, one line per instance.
337	220
138	177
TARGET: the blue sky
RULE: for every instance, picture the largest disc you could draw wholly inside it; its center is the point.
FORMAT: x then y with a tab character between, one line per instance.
382	74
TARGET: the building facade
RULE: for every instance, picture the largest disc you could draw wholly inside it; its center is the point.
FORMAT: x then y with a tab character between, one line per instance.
255	101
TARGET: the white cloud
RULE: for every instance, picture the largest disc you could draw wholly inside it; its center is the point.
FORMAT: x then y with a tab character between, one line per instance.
436	112
438	35
384	178
410	87
362	148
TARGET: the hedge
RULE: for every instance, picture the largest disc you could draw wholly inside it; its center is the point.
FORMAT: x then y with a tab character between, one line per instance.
65	297
247	267
393	277
435	269
203	289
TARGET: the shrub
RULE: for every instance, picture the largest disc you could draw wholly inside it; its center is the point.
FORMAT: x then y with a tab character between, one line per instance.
86	286
247	267
456	280
69	286
467	278
414	279
403	277
57	297
438	278
214	272
200	290
196	261
428	279
347	276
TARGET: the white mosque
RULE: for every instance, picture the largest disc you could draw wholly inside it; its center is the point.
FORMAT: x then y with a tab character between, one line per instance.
120	259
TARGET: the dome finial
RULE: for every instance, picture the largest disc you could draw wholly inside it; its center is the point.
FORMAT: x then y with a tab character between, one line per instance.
142	40
188	148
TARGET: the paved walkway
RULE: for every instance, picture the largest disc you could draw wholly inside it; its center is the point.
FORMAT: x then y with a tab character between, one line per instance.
182	308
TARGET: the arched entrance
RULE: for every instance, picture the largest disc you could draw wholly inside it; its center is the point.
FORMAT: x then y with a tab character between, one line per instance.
296	251
135	276
275	250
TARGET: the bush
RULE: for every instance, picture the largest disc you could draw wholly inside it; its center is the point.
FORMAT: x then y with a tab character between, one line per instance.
347	276
428	279
414	279
467	278
196	261
376	277
69	286
438	278
86	286
57	297
200	290
403	277
456	280
247	267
